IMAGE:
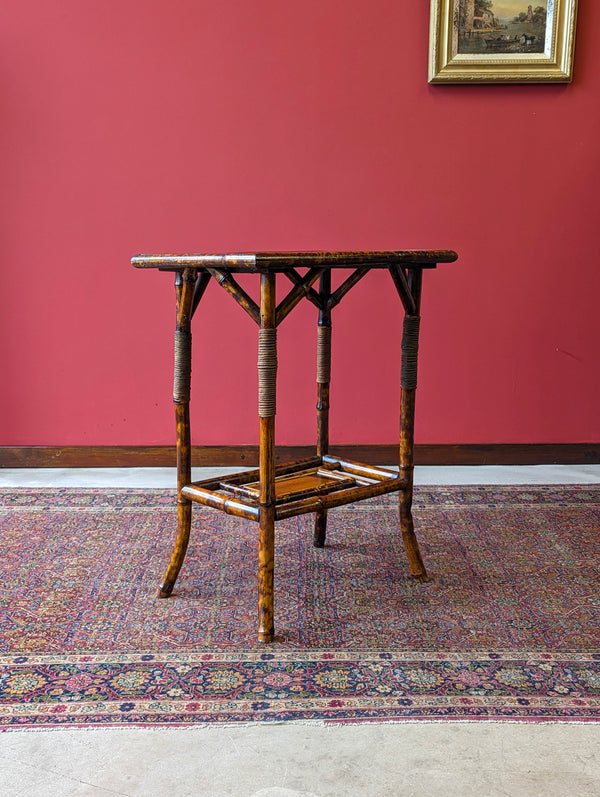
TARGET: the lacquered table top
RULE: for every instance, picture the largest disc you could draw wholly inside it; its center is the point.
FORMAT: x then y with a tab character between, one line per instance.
283	261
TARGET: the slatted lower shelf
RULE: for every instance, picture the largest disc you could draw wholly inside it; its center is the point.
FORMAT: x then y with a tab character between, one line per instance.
300	487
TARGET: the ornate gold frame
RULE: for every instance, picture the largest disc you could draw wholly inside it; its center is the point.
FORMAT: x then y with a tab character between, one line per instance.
554	65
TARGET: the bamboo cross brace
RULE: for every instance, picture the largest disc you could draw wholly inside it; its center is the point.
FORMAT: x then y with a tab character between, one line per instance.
227	282
404	292
201	282
301	289
310	294
350	282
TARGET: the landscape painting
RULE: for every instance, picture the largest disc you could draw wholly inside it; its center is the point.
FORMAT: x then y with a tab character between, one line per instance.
502	26
502	41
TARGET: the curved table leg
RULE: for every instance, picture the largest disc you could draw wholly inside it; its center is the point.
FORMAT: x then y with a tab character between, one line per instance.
184	507
184	286
411	545
408	381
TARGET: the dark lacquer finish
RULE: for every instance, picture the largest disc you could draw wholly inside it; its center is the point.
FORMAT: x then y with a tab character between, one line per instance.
280	261
273	493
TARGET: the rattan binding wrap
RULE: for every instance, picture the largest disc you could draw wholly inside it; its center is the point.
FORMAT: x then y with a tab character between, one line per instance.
323	355
183	367
410	352
267	372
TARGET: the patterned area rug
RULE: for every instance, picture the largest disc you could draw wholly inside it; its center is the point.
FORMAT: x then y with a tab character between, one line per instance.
507	629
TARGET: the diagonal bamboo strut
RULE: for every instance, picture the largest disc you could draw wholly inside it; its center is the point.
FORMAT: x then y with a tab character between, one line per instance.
239	294
297	293
339	294
404	292
201	282
311	294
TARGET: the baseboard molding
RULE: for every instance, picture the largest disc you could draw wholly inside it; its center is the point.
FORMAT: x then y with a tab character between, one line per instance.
247	456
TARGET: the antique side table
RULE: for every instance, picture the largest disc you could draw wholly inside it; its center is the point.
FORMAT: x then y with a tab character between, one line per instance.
272	493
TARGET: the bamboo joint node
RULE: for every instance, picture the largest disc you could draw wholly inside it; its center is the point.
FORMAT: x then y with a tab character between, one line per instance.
267	372
410	352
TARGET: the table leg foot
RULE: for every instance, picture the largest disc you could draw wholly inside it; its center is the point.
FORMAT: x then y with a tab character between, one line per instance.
266	567
411	545
424	578
320	529
184	521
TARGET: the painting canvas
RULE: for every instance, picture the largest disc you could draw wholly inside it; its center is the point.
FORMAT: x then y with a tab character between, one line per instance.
502	26
501	40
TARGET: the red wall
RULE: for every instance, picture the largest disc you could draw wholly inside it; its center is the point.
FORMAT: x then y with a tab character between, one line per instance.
228	125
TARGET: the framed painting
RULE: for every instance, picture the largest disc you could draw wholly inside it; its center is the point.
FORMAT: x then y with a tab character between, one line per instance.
501	41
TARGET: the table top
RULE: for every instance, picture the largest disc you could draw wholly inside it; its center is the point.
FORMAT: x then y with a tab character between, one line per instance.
284	261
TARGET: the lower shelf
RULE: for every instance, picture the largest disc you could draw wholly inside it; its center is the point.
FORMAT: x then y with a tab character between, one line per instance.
311	485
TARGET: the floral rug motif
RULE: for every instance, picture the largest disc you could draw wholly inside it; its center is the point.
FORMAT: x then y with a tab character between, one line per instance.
507	629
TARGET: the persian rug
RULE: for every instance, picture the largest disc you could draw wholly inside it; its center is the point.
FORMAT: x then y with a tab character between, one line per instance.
508	628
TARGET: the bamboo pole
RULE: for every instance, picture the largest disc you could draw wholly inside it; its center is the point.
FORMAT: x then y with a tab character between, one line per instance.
350	495
227	282
267	376
323	386
401	283
184	290
410	342
247	476
297	293
201	283
311	293
358	469
349	283
226	503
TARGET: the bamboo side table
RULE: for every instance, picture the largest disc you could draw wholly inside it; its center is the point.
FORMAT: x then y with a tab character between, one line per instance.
272	493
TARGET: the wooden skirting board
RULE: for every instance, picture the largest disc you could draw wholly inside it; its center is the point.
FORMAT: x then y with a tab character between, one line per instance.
247	456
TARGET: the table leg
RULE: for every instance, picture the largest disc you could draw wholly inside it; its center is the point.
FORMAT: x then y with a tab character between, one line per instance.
410	348
323	383
184	287
267	382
